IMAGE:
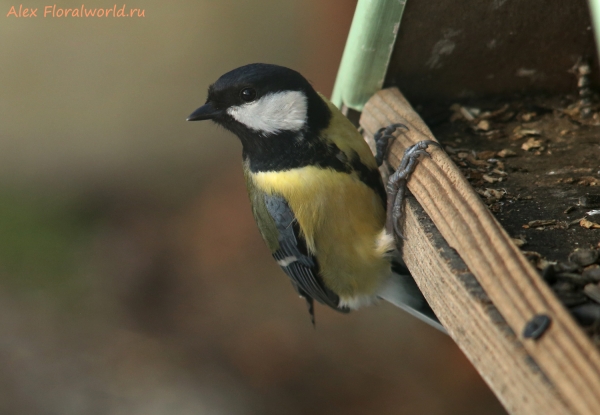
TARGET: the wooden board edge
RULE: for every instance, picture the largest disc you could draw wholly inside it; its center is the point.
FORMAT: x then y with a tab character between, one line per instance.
567	358
473	322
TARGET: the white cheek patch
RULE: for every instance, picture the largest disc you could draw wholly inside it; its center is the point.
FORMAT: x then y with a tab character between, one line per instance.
281	111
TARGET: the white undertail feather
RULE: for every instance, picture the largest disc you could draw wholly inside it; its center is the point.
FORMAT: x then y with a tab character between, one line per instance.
385	244
358	301
272	113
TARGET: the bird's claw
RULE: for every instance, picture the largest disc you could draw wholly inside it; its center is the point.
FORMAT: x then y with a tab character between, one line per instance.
396	186
382	140
397	232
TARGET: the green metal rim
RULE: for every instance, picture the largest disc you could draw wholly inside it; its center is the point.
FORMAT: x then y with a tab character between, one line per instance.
367	53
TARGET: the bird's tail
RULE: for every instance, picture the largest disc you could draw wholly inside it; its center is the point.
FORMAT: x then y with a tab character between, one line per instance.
402	291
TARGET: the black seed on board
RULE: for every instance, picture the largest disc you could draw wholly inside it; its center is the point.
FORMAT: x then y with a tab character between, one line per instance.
573	278
584	257
586	314
593	292
549	274
571	299
536	326
566	267
592	274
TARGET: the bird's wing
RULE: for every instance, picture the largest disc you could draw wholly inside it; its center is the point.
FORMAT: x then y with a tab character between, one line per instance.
293	256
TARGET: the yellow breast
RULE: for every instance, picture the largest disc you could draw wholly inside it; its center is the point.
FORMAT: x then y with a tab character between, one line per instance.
342	221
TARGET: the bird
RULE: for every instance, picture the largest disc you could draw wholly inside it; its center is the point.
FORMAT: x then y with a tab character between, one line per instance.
316	191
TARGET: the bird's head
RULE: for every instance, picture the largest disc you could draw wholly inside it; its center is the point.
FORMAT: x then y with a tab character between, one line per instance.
262	100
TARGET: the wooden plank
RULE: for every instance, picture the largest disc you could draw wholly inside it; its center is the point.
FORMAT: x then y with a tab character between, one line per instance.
473	321
565	355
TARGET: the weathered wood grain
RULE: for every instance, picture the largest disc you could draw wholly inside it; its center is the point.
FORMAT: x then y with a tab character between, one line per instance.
556	374
473	321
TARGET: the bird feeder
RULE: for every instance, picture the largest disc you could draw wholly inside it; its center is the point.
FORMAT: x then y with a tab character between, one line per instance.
501	79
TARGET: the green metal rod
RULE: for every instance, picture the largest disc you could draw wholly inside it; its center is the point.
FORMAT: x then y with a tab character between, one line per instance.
368	51
595	12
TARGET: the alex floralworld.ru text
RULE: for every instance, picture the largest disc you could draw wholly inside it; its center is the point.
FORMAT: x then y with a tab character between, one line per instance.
53	11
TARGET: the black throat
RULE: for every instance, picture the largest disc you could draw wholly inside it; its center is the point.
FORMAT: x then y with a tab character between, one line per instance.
288	150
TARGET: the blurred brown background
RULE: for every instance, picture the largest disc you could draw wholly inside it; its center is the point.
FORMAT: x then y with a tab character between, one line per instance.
132	278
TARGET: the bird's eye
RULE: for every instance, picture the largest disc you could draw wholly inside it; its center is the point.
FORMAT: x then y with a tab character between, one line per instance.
248	94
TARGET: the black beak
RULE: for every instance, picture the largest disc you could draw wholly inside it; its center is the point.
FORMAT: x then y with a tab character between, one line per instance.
205	112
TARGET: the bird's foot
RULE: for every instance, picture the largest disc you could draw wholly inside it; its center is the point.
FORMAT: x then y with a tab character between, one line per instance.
382	140
396	187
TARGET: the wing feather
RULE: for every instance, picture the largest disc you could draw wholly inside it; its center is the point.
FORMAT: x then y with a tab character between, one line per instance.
293	256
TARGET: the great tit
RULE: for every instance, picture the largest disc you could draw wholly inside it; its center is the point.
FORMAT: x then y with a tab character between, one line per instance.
316	192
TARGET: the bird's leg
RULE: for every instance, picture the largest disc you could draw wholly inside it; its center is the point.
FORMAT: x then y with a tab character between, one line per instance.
382	140
396	187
